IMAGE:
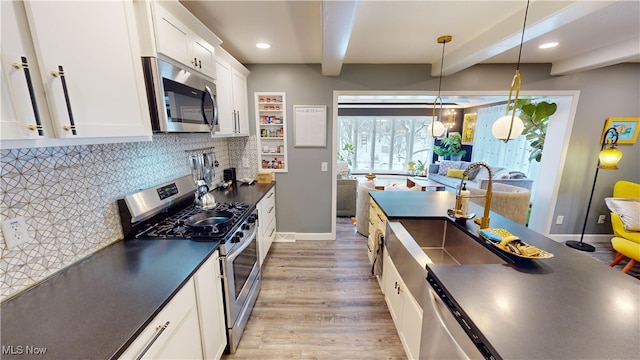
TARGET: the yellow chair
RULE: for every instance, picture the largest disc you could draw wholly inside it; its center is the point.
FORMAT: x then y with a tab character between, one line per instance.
625	243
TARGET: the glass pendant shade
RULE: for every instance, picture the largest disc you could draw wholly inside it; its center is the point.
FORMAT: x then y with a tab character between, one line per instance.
609	158
435	129
500	128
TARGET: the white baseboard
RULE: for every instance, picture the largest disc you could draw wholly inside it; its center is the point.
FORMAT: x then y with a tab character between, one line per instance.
292	236
285	237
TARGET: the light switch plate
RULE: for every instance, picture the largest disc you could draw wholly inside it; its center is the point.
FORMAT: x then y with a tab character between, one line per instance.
324	166
15	232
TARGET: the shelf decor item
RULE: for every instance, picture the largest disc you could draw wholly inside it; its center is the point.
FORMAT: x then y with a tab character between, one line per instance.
608	159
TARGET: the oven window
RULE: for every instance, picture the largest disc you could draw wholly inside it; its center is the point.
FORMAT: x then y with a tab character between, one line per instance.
242	266
184	103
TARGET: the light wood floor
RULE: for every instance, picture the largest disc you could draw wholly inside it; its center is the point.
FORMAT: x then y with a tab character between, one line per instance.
319	301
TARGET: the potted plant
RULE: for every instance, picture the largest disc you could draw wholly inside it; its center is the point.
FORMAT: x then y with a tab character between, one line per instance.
344	159
536	119
441	152
453	145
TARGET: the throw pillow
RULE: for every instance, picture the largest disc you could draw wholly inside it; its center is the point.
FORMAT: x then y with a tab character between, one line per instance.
455	173
629	211
446	165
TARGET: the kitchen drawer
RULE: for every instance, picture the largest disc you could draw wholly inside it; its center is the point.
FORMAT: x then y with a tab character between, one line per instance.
267	210
371	246
270	234
173	333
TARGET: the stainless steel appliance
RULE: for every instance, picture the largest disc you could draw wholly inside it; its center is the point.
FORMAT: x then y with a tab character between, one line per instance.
167	211
179	100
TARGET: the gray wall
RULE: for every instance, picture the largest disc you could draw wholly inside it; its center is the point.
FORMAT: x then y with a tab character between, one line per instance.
304	192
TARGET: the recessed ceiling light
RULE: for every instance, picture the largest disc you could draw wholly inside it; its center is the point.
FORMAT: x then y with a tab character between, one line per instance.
548	45
263	45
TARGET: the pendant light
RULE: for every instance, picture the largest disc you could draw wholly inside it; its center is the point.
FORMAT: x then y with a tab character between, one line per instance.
436	128
509	127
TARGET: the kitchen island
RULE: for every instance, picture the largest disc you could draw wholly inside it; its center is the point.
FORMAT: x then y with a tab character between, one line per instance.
567	307
96	307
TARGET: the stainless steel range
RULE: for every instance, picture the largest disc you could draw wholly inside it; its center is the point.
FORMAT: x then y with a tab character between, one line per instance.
167	211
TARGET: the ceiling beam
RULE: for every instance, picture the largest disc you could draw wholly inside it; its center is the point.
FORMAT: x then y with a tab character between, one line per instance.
544	16
337	24
625	51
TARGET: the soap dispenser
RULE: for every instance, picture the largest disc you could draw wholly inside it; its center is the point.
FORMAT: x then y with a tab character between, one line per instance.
464	200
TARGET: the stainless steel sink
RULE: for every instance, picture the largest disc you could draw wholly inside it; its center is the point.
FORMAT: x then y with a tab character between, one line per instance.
444	243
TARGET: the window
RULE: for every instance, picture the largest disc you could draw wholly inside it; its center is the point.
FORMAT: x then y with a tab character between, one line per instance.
385	144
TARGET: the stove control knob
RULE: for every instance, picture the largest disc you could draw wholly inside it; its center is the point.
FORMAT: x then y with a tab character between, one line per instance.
235	239
246	227
239	234
251	219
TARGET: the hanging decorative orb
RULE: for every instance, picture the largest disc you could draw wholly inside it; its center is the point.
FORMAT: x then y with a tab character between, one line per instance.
500	128
435	129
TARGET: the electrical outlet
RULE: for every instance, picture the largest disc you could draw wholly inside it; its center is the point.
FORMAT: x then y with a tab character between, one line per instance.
15	232
559	220
324	166
601	219
245	162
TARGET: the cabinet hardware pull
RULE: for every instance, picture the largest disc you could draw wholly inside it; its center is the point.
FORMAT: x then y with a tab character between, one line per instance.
270	195
200	64
270	210
72	123
159	329
398	290
274	229
195	62
32	95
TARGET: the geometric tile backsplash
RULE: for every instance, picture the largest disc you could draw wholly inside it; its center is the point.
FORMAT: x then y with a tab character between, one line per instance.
67	195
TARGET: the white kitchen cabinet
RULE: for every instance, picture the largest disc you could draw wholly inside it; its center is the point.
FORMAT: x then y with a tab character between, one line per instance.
88	66
405	310
174	333
271	128
211	308
177	41
267	223
231	89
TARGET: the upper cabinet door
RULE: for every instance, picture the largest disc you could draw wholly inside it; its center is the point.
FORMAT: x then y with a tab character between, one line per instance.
177	41
240	102
224	95
24	107
90	65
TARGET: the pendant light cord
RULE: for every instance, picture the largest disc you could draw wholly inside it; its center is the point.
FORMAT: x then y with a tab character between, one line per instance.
441	65
524	26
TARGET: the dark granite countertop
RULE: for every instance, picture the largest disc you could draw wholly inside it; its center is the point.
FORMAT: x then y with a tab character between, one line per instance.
96	307
567	307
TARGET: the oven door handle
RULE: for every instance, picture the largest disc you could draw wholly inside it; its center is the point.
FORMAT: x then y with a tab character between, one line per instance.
246	243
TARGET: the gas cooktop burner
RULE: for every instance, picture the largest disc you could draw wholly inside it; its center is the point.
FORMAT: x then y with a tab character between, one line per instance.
194	223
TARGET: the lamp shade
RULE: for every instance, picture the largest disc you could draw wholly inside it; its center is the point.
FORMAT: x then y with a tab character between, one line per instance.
500	128
435	129
609	158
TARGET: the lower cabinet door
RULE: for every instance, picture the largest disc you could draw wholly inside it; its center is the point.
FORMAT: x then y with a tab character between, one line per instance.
174	333
411	331
211	308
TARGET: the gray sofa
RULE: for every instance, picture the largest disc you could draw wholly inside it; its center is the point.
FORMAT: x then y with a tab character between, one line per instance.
477	179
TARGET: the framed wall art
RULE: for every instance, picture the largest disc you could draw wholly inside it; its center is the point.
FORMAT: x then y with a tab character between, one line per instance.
469	128
627	128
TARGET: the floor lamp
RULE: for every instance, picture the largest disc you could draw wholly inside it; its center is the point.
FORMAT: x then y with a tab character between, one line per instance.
607	159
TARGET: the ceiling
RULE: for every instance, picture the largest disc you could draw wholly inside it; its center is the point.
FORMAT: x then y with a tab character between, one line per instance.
591	34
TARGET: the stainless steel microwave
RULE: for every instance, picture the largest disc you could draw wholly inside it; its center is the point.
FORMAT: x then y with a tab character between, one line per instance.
179	99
